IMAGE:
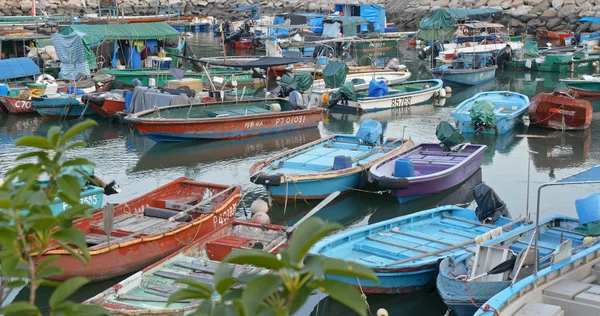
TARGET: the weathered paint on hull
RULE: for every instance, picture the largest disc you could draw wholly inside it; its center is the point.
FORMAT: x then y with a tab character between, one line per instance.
316	189
109	107
585	93
60	107
234	127
17	105
470	77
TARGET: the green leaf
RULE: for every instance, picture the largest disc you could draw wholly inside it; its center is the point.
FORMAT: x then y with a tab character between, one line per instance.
49	272
301	296
76	129
66	289
74	145
224	277
257	290
20	308
256	258
334	266
53	134
77	162
74	252
15	284
37	154
34	141
76	237
306	235
195	290
344	293
69	187
9	265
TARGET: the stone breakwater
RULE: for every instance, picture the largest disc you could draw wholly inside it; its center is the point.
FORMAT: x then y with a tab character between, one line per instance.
532	14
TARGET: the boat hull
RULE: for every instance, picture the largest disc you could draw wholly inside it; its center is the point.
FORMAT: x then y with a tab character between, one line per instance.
92	196
60	107
16	105
374	46
560	112
162	77
469	77
110	107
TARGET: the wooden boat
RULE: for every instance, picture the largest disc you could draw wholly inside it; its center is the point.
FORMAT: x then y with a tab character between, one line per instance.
452	289
142	232
449	55
509	107
435	170
60	105
469	77
560	111
146	292
361	81
588	86
162	77
553	35
310	171
219	120
244	43
404	251
400	96
16	105
369	45
103	105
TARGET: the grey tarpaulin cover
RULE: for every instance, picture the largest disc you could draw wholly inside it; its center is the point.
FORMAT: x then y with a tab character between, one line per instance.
144	99
71	52
489	204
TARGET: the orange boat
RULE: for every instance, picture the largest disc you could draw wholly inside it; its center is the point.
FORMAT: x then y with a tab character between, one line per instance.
104	106
553	35
560	111
147	228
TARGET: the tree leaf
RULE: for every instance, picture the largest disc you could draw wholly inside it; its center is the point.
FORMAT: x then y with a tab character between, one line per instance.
69	186
224	279
76	129
257	290
306	235
53	134
74	252
344	293
15	284
73	145
32	154
254	257
301	296
76	237
49	272
77	162
195	290
20	308
66	289
334	266
35	142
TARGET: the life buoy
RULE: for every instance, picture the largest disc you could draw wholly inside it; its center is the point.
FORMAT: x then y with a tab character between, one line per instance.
45	79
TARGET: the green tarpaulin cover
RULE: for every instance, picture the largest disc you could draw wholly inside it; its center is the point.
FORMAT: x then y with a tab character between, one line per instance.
97	33
335	74
347	90
531	50
303	80
439	24
448	135
591	228
483	111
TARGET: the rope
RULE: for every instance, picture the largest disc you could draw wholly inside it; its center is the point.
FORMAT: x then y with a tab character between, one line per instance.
364	296
486	308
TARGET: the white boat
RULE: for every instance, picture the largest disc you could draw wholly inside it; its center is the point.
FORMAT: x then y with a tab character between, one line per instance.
448	55
400	96
315	95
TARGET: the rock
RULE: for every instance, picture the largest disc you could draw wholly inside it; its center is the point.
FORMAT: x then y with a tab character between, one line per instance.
202	3
557	4
566	10
553	22
493	3
541	8
568	2
440	3
505	5
594	27
584	8
516	3
515	23
535	23
548	14
25	5
533	2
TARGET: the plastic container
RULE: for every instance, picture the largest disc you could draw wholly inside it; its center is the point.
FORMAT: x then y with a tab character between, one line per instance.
403	168
3	89
342	162
128	97
588	208
322	60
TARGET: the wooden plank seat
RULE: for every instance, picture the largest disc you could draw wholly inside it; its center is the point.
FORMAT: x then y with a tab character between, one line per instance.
574	297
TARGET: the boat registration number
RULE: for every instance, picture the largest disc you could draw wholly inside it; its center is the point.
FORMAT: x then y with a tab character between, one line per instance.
290	120
224	217
401	102
89	200
22	104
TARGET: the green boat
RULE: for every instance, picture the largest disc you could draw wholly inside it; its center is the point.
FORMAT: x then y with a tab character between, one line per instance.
588	86
374	45
163	76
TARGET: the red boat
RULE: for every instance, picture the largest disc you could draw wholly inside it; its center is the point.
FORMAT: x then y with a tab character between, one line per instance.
560	111
104	106
243	43
146	229
551	35
17	105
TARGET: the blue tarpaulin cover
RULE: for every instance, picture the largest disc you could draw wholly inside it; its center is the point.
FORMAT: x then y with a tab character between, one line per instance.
370	131
589	175
17	68
377	88
71	52
589	19
373	13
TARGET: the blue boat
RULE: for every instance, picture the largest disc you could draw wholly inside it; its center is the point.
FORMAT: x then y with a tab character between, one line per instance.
567	283
460	297
63	105
469	77
92	195
319	168
404	251
494	112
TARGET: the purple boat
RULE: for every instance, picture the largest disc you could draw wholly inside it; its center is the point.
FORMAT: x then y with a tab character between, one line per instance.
426	169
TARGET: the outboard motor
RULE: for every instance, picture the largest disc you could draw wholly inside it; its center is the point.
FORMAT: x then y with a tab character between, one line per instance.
297	101
489	205
435	48
503	56
477	61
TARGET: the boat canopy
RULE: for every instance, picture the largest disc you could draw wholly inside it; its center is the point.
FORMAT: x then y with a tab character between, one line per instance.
97	33
374	13
18	68
349	25
440	24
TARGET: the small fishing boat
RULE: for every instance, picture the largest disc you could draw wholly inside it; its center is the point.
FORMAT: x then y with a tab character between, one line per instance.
399	96
59	105
16	105
587	86
220	120
360	80
494	112
404	251
162	77
148	228
245	43
560	111
147	291
465	76
426	169
553	35
91	195
319	168
473	269
105	103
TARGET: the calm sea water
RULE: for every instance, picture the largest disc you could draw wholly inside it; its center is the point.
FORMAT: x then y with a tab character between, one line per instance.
139	165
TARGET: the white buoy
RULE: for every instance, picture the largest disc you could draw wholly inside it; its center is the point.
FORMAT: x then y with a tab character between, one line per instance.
441	101
382	312
448	90
261	218
259	206
442	93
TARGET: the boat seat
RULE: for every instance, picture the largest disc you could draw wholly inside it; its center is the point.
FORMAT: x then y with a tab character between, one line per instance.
538	309
574	297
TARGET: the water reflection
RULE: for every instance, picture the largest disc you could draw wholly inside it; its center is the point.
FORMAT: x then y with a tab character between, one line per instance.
461	93
496	143
559	150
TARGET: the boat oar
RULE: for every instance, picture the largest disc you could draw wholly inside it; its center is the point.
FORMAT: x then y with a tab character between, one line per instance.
108	215
201	203
501	268
461	245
